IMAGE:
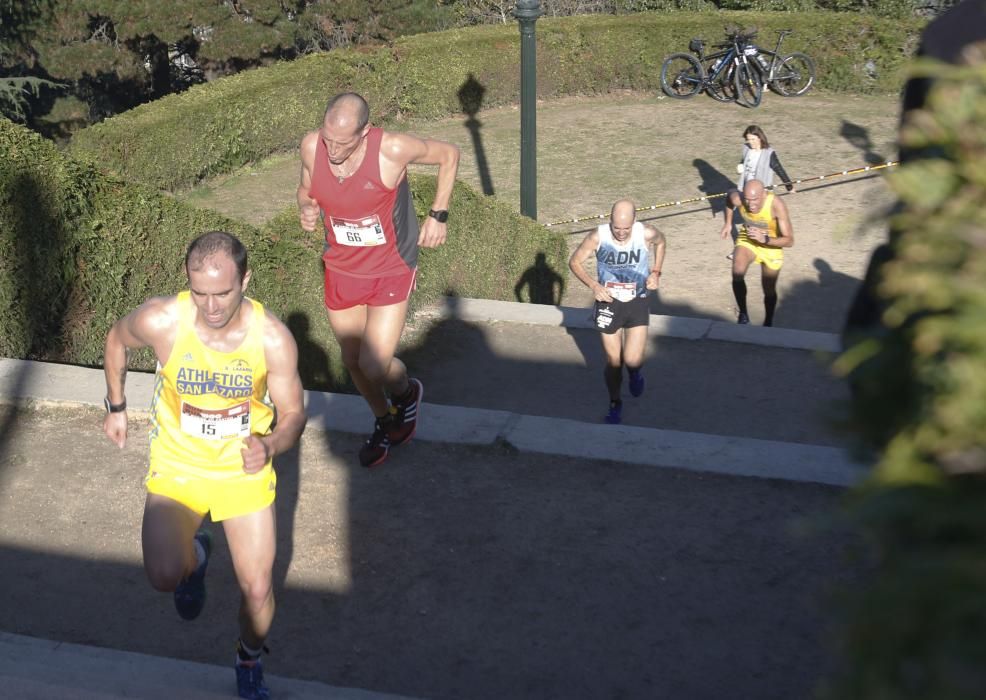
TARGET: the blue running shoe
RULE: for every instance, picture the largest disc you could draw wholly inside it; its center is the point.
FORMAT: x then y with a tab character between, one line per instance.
190	593
637	383
250	681
615	415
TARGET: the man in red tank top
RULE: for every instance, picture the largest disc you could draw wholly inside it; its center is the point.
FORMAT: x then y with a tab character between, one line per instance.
355	176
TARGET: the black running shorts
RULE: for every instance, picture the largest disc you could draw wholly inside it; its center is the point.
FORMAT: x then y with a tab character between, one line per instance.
614	315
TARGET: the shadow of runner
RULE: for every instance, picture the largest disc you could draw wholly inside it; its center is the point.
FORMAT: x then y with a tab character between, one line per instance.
859	137
713	182
832	292
544	285
313	362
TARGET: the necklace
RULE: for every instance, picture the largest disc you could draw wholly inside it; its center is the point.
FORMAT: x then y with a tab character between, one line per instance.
357	159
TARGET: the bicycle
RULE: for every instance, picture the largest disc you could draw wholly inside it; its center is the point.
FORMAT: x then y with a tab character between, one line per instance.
788	76
683	75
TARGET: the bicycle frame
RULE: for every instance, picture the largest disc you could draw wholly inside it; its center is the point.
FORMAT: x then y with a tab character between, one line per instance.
775	55
721	60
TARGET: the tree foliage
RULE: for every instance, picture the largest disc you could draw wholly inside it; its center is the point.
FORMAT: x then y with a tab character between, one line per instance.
918	624
19	22
116	54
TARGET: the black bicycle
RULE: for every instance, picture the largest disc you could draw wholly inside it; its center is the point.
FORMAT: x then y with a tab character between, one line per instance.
725	75
788	76
737	73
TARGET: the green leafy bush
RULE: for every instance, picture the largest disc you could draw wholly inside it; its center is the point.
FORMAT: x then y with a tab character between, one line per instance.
214	128
82	249
918	624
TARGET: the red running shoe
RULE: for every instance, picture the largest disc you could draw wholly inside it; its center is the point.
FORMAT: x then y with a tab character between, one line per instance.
376	448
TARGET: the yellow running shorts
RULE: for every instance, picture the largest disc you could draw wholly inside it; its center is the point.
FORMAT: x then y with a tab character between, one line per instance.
224	498
763	255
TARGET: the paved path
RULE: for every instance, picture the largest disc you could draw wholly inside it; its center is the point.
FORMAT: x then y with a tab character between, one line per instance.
490	558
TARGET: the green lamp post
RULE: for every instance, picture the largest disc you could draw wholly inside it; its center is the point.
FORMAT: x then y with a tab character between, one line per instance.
527	13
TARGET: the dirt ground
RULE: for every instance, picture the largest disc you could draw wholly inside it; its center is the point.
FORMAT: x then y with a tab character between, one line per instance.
450	572
592	151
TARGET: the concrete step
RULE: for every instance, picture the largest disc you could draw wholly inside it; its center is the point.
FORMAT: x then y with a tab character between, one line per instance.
39	669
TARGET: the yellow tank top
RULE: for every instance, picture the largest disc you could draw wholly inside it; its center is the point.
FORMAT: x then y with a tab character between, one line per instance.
206	402
762	219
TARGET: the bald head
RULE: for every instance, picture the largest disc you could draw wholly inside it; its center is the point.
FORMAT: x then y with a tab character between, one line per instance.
753	188
753	195
621	219
624	213
347	111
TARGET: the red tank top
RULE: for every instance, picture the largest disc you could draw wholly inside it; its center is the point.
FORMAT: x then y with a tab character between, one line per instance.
370	230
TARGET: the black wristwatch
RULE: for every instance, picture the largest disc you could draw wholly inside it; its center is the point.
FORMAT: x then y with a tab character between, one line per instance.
114	408
439	215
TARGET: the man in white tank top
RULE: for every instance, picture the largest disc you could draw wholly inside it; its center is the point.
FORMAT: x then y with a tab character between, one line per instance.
629	256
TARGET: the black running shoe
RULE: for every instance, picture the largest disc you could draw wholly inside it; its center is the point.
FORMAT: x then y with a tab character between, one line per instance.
743	319
190	593
405	414
376	448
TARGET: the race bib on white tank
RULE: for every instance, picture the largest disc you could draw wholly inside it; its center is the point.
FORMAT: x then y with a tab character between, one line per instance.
622	291
361	233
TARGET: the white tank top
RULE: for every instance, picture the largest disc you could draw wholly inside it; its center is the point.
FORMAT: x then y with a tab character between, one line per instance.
623	267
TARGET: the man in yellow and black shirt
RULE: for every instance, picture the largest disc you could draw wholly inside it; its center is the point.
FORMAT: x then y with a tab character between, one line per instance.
225	365
765	232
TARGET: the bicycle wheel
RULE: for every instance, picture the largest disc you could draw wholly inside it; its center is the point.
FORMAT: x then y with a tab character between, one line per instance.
681	76
723	87
793	76
749	89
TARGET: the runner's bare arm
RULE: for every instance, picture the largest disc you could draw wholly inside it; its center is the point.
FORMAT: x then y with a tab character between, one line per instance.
785	232
284	387
149	325
732	201
657	243
576	264
308	207
403	149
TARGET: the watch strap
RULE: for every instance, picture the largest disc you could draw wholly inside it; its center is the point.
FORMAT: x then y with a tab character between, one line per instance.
114	408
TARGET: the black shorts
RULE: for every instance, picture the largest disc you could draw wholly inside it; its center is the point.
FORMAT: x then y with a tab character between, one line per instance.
612	316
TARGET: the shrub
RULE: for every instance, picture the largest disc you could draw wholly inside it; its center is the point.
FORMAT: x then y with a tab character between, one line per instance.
82	249
215	128
916	628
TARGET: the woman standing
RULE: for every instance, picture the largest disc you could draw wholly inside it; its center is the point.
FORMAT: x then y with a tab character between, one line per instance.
760	161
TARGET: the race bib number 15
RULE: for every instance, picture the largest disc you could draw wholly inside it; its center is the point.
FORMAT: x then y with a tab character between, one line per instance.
216	424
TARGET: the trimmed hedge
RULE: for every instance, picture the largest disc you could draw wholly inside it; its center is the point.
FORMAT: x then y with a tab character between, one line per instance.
82	249
214	128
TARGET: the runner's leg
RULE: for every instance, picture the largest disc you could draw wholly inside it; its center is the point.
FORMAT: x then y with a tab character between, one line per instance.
613	371
377	363
252	544
768	279
742	257
634	345
349	327
167	536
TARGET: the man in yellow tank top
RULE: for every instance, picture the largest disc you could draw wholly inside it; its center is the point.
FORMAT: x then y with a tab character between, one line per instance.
765	232
220	356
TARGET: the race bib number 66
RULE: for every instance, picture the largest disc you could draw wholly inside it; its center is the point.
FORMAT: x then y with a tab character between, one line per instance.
216	424
360	233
